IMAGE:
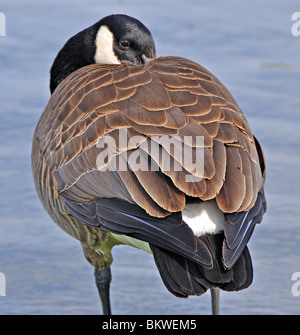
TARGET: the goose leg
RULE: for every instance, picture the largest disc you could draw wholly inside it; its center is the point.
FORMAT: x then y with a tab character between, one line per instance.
103	279
215	300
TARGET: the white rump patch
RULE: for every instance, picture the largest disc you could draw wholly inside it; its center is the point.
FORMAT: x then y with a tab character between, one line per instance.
104	47
204	218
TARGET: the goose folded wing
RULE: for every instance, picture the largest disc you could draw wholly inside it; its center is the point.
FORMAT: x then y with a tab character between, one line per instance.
238	228
170	96
120	217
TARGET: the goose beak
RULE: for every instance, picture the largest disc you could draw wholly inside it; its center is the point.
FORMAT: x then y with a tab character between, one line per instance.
145	60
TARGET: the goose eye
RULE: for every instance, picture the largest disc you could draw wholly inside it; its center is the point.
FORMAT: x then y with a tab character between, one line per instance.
124	44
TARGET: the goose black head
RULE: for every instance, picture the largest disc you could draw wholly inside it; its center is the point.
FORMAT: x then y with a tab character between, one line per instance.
115	39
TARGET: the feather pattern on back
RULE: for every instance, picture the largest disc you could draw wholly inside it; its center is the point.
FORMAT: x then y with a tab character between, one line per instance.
103	120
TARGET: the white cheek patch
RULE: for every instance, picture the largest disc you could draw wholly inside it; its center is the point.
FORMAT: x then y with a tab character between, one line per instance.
204	218
104	47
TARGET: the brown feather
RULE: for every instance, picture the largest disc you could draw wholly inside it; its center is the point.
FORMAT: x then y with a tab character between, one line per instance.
233	191
169	96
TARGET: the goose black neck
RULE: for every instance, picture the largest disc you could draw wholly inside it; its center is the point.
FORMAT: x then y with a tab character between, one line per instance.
78	51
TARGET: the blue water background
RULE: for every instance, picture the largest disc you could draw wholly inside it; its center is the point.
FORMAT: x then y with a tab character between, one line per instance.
249	46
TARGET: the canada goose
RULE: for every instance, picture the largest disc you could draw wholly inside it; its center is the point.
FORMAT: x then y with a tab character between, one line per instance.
107	175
